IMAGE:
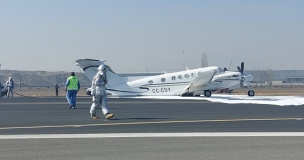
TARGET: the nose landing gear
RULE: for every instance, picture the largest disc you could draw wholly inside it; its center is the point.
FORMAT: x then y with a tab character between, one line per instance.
250	93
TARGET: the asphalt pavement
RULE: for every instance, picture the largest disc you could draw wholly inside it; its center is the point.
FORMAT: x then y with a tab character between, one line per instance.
52	115
34	117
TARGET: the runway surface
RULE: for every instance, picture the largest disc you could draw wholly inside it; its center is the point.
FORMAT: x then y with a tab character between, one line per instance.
39	128
52	116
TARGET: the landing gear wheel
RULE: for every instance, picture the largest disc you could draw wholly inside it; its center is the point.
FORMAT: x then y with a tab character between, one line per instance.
207	93
250	93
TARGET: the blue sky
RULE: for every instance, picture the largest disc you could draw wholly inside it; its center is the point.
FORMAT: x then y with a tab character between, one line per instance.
134	35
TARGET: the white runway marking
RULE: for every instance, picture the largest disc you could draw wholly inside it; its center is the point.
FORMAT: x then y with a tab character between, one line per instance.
151	135
237	99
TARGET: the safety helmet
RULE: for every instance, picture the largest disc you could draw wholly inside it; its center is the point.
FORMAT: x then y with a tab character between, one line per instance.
102	68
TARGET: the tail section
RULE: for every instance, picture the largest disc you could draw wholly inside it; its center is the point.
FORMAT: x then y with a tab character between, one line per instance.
90	66
116	85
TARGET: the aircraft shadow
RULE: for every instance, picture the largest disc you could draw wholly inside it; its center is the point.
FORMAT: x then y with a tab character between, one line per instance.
137	118
252	99
88	108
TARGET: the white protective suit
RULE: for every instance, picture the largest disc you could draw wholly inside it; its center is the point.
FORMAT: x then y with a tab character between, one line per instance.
99	92
10	87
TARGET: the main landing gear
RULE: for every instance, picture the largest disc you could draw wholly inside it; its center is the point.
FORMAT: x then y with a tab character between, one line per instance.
207	93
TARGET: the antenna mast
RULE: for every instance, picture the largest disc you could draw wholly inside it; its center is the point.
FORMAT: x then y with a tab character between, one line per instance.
230	64
204	60
183	60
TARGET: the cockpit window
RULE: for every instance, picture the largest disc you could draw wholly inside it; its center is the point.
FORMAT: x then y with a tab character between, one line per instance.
199	73
221	70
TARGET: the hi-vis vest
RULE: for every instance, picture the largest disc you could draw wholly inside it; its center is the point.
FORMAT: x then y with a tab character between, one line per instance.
73	85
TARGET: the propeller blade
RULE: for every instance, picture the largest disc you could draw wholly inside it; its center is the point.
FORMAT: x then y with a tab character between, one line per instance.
239	69
242	67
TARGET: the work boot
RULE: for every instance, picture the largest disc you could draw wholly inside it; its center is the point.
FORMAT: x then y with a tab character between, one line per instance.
94	117
109	115
71	106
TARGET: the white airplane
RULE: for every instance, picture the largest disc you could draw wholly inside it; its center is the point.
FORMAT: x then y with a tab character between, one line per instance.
184	83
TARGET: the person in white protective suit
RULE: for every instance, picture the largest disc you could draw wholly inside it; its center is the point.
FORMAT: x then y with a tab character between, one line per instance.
10	87
99	93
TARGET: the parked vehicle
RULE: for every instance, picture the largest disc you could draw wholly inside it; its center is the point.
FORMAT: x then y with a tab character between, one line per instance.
3	91
225	90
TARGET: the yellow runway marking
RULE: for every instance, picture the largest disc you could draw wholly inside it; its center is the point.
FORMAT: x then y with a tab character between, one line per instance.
155	122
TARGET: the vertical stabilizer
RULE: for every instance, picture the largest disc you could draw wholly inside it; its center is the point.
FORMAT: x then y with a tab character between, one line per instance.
90	66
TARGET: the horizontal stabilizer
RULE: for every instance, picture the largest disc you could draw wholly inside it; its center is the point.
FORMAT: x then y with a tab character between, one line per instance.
89	62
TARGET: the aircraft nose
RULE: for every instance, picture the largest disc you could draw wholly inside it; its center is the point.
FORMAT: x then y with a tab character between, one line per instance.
250	77
247	78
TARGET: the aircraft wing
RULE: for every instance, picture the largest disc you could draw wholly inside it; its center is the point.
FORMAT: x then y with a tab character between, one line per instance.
199	82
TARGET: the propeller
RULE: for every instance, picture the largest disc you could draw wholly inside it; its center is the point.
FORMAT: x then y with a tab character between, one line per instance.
242	71
242	68
239	69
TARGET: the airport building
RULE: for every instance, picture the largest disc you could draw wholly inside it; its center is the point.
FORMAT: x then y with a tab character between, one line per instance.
283	76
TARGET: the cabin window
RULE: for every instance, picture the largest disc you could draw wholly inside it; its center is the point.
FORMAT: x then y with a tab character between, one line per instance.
193	75
173	78
150	82
180	77
186	75
163	79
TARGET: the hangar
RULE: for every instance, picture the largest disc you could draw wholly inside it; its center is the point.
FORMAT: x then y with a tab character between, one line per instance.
283	76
